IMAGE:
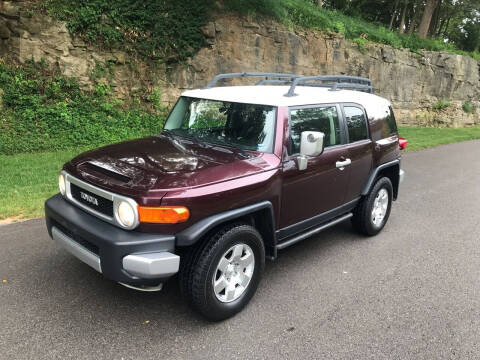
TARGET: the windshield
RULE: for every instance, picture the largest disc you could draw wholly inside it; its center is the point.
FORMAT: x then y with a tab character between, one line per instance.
244	126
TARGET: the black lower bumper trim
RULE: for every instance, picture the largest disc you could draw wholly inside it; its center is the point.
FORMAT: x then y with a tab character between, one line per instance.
111	243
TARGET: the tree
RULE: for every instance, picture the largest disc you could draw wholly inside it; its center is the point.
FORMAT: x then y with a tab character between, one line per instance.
427	18
394	14
401	27
471	40
320	3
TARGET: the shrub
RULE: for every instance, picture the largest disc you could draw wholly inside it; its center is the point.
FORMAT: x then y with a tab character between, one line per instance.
170	30
306	14
441	105
45	111
167	30
467	107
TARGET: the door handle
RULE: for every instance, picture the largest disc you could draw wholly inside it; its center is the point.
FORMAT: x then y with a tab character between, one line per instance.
341	164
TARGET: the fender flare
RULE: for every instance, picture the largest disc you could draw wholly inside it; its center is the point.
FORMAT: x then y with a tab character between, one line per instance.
193	233
374	173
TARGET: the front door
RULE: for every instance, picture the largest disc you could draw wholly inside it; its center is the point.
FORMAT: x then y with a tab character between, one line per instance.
321	186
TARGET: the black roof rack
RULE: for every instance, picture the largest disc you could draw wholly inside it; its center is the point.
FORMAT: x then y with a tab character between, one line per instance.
267	76
334	82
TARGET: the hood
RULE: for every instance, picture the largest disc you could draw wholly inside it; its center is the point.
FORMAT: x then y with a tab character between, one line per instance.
164	163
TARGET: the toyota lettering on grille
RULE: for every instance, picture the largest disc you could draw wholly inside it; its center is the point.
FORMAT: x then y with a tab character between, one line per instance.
89	198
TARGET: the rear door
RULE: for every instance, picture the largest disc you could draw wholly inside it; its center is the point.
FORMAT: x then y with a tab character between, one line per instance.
321	186
359	149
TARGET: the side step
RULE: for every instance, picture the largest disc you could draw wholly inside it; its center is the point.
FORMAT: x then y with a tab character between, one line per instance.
313	231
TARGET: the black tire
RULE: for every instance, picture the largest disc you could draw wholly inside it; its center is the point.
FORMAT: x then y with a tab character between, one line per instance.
200	265
362	215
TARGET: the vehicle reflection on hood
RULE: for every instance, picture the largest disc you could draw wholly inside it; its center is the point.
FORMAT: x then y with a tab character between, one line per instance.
170	162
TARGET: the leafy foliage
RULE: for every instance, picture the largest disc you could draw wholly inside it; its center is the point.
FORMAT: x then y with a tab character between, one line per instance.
467	107
441	105
168	30
45	111
306	14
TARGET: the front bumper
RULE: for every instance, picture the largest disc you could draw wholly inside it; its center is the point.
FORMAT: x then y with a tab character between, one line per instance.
120	255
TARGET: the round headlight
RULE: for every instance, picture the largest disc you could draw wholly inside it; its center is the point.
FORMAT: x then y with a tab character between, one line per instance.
126	214
61	184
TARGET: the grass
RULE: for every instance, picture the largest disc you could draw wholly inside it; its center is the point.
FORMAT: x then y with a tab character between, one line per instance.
421	137
27	180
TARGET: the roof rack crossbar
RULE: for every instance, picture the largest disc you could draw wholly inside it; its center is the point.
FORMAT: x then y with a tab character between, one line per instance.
338	86
273	81
246	74
339	81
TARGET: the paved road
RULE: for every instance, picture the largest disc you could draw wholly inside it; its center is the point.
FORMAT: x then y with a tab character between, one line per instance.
413	292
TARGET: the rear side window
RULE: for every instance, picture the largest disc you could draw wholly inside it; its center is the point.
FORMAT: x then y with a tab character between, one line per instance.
356	123
391	123
324	119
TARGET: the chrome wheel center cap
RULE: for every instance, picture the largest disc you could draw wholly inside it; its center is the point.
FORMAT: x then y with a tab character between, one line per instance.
230	270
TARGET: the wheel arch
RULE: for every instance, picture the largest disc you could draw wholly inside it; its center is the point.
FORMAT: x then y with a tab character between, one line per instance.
259	215
391	170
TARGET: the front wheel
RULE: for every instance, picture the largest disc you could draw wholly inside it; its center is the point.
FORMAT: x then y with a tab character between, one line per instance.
219	278
372	213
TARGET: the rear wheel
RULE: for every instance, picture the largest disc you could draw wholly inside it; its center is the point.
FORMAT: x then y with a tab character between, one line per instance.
219	278
372	213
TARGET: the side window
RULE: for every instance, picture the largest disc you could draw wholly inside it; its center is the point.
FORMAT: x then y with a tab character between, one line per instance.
324	119
356	123
392	125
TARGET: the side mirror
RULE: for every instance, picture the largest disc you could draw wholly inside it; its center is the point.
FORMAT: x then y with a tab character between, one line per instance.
311	144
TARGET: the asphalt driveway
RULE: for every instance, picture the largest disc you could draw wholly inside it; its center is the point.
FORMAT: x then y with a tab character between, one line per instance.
412	292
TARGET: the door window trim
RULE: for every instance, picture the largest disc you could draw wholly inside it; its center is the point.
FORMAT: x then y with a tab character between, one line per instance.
341	123
349	104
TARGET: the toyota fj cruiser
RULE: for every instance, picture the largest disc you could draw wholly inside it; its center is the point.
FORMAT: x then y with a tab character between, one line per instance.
238	173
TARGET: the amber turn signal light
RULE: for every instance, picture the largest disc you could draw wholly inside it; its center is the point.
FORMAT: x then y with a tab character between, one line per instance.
163	214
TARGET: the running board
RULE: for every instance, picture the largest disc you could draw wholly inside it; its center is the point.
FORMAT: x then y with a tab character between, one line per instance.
313	231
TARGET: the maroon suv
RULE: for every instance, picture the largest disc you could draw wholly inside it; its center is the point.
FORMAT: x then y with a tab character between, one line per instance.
237	174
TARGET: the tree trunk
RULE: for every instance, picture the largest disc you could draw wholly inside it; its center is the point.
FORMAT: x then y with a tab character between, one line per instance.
440	28
394	14
402	21
413	18
427	18
434	23
320	3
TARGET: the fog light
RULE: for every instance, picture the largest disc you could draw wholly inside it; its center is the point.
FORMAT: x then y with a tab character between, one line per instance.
61	184
126	214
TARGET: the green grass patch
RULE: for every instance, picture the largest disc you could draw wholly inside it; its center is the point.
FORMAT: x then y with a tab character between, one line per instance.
27	180
421	137
44	111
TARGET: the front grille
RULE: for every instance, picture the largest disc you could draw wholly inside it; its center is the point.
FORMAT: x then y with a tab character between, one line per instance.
91	200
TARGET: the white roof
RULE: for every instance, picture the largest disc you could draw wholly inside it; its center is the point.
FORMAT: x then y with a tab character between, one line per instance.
275	95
